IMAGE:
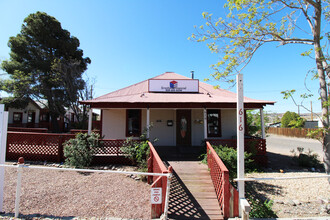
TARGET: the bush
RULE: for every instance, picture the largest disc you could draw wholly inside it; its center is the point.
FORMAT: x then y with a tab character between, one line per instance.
228	156
79	152
137	151
261	209
292	120
306	159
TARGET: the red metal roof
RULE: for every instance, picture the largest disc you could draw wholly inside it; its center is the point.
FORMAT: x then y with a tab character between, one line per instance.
138	93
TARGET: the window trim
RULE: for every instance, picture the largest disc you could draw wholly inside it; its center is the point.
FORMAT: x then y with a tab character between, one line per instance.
219	122
140	122
21	116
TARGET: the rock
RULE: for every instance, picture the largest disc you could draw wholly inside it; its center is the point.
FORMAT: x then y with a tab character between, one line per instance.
281	171
325	201
15	164
278	201
137	178
313	169
296	202
290	202
105	168
320	201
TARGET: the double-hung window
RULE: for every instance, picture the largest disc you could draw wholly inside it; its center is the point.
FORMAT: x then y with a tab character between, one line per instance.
133	122
213	123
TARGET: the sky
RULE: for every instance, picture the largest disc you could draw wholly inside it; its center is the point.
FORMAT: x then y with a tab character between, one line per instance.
130	41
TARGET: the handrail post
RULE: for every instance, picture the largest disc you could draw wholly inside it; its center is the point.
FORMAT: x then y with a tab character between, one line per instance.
168	187
226	195
20	166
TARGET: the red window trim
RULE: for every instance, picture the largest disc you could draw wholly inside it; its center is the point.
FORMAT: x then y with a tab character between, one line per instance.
140	121
219	123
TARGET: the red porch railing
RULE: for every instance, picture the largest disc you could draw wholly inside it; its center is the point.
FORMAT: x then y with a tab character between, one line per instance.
36	146
156	165
20	129
49	147
227	195
252	145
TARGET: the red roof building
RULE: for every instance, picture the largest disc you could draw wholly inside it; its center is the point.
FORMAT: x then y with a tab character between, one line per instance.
175	109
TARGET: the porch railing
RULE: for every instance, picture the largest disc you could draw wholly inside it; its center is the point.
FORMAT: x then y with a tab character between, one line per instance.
227	195
156	165
257	146
49	147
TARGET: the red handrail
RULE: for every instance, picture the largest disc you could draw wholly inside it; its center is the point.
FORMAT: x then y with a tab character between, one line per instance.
156	165
227	195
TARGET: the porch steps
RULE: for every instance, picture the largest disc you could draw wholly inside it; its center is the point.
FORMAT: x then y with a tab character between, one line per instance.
197	188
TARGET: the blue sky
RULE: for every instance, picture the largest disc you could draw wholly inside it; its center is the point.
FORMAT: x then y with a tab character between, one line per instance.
132	40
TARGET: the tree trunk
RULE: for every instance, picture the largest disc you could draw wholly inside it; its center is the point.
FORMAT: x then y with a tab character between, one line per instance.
323	86
55	126
326	154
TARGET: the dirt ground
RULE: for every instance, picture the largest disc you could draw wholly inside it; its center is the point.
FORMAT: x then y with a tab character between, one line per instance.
66	194
294	197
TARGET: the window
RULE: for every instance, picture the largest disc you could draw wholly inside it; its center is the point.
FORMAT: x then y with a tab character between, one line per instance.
17	117
72	117
31	117
133	122
44	117
213	123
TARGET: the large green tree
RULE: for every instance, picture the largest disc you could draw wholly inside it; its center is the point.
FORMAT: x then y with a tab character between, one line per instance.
250	24
45	63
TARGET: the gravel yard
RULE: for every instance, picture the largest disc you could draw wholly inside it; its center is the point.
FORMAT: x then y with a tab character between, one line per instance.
60	194
294	197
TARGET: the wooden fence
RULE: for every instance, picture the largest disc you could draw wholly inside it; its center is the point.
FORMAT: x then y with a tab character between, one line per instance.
156	165
291	132
49	147
257	146
227	195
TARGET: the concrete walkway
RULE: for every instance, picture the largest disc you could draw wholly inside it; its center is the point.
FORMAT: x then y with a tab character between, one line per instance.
192	193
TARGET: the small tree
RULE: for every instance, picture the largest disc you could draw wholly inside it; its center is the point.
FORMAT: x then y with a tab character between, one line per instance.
251	24
292	120
79	151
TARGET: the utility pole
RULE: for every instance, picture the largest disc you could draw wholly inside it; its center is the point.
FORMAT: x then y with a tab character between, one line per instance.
311	110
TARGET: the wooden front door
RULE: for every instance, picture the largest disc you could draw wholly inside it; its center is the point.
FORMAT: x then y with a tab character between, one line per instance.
183	127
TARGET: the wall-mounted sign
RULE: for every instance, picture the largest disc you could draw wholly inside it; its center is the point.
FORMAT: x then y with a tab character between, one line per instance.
156	195
173	85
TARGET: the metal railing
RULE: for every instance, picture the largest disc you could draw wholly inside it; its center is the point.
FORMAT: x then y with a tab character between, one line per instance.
20	167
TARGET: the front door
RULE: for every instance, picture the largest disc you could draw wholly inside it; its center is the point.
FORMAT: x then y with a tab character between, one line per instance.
183	127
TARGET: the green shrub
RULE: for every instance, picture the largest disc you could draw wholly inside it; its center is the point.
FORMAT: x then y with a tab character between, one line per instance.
228	156
261	209
137	151
79	151
306	159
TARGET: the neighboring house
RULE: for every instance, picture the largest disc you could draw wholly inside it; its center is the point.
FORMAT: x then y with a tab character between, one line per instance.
27	117
36	115
275	125
181	111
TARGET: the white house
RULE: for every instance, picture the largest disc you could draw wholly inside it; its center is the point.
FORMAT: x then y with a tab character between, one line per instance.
180	111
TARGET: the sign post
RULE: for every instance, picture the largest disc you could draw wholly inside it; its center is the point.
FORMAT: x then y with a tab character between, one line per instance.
240	136
3	140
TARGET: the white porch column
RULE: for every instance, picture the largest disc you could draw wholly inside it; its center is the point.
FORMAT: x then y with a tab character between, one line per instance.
3	145
262	119
205	123
90	118
148	123
240	136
